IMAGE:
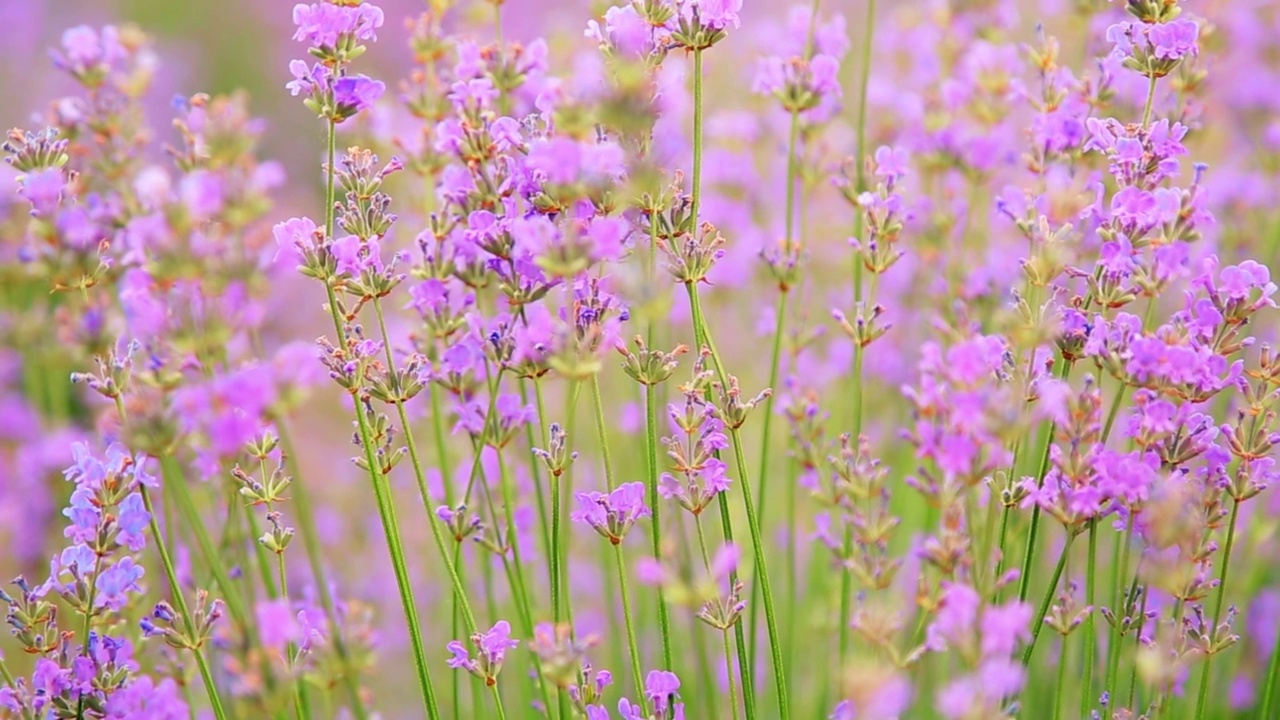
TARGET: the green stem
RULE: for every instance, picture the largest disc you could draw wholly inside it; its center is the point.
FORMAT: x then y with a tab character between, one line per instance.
1037	622
1024	584
1151	100
770	616
262	556
728	656
175	589
1090	628
1059	695
1272	680
775	357
651	461
632	645
177	484
740	640
381	490
311	544
1203	696
696	186
1120	565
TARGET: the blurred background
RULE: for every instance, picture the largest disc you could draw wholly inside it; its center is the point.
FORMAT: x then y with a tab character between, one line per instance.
220	46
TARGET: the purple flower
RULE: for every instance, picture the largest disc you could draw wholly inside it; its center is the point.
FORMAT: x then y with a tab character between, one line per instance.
294	237
355	256
44	189
142	697
132	519
355	93
612	515
718	14
1174	40
202	193
323	25
117	581
307	79
84	514
85	49
1004	626
492	645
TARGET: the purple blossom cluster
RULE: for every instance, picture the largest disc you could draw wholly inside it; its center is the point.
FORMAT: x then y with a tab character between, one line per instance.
1004	303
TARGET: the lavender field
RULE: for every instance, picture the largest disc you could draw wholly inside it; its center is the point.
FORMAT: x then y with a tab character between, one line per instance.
640	359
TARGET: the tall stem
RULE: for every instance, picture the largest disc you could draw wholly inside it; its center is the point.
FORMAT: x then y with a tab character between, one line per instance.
696	187
728	657
1272	681
651	461
632	646
1037	622
311	544
1151	100
1217	607
381	491
1090	629
1024	584
770	616
175	589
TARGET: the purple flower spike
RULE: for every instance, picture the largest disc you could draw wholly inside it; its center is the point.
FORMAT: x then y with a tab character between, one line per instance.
612	514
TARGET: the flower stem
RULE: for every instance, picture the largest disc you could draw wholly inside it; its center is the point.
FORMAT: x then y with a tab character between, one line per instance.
1037	622
1217	607
632	645
728	658
696	181
1151	100
702	338
381	491
311	545
1024	584
651	460
1059	696
1090	628
1271	681
771	620
176	483
175	589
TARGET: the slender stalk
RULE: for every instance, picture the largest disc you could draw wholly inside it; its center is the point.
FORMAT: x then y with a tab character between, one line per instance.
1203	696
300	708
311	545
176	483
696	182
420	477
728	657
262	556
1037	622
632	645
7	677
1271	681
175	589
1120	565
1024	584
381	491
726	524
780	320
745	670
1060	696
770	616
1151	100
651	461
1090	628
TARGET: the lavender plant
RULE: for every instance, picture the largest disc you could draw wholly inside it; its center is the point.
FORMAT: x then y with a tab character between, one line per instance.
925	369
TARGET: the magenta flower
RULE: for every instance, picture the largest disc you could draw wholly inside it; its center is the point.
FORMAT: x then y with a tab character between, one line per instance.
612	514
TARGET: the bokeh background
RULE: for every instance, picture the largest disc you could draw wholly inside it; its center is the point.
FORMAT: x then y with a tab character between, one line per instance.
220	46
